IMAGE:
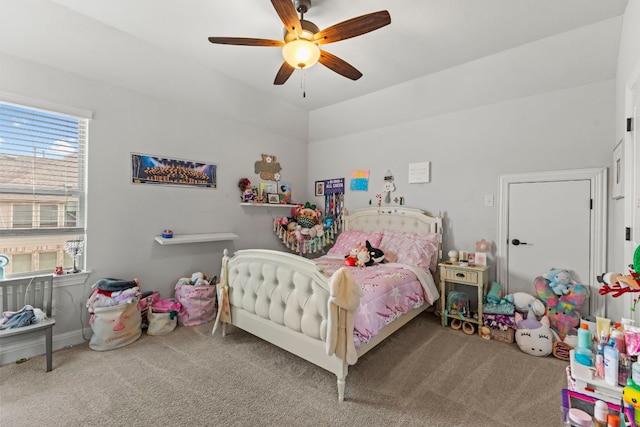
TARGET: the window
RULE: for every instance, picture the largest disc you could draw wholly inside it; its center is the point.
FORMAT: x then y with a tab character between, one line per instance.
22	215
48	260
48	216
42	183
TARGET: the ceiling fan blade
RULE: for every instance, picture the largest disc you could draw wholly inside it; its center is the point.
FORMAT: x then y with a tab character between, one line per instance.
339	66
245	41
353	27
288	15
284	73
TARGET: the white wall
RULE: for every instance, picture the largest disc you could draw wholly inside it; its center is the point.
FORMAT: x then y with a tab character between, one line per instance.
123	218
523	110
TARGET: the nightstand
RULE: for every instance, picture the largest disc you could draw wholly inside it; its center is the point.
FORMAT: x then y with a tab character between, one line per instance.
454	274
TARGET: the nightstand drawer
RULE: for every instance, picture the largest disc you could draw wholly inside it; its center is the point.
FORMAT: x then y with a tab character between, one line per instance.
461	275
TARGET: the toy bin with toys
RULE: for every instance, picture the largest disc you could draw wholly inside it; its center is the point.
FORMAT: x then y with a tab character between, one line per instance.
501	326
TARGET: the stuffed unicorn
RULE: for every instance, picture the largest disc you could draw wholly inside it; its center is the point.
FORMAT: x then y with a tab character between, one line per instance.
534	336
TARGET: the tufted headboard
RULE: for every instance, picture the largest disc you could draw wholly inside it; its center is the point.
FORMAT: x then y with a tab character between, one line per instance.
393	219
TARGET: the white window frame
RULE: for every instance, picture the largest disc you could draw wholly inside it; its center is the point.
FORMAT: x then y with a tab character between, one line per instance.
79	231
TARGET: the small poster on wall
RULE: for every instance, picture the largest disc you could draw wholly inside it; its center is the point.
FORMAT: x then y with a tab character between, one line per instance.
149	169
359	180
419	172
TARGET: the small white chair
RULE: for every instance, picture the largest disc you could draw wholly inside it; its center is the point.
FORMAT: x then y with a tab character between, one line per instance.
36	292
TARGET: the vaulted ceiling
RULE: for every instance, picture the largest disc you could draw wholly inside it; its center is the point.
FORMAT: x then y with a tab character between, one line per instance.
109	39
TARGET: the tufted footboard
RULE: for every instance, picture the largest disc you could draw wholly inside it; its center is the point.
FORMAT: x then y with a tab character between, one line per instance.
283	299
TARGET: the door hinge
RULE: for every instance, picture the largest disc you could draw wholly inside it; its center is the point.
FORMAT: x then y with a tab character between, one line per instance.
627	233
629	124
591	204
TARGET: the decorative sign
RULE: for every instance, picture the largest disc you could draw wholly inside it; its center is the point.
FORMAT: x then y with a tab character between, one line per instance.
333	186
419	172
268	168
148	169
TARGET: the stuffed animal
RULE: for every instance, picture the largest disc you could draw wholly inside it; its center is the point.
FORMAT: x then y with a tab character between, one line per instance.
351	258
363	257
523	301
307	215
559	281
533	336
563	310
495	293
316	230
376	255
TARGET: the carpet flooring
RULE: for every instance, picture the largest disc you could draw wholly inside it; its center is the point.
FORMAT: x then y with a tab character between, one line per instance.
423	375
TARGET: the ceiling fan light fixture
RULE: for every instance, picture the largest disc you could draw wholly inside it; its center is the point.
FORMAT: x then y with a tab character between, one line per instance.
301	53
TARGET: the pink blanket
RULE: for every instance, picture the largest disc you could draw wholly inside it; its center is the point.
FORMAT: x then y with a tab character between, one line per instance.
389	290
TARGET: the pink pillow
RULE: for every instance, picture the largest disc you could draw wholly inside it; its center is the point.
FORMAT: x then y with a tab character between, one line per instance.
418	249
348	240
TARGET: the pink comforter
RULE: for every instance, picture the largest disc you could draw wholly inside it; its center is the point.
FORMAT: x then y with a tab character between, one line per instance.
389	290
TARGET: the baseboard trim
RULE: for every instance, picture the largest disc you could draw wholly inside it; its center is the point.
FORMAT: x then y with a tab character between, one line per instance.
28	348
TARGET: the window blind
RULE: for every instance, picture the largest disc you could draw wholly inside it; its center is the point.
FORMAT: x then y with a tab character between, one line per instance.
40	152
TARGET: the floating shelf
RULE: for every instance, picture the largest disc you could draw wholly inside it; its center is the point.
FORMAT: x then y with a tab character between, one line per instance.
178	239
269	205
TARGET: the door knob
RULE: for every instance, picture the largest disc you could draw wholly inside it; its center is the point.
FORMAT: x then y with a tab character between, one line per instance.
517	242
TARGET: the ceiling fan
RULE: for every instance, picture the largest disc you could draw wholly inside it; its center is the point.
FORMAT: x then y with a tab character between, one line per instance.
302	38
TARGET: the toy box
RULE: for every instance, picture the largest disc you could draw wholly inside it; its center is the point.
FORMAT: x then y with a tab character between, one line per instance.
507	335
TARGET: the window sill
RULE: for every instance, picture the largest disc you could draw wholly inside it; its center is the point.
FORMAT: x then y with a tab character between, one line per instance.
71	279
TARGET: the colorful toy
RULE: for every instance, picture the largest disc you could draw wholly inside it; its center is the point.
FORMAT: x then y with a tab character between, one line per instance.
559	281
631	396
563	310
247	192
351	258
532	336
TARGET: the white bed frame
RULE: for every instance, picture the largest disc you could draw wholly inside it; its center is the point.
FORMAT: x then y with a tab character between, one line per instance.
282	298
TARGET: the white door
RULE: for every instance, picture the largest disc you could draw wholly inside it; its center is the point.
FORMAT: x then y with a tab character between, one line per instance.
549	225
552	220
633	138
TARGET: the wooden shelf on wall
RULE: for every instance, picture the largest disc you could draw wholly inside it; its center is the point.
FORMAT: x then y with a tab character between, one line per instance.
269	205
179	239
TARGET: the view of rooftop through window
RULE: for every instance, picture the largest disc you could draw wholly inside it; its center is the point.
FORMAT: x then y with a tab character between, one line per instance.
42	187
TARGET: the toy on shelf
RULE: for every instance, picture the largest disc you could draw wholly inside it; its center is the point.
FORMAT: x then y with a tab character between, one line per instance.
304	231
248	195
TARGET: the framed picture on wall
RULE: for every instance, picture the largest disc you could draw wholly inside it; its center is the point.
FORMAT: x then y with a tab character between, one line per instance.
617	173
319	188
273	198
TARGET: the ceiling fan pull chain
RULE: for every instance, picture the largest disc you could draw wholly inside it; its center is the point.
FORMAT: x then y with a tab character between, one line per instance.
302	83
